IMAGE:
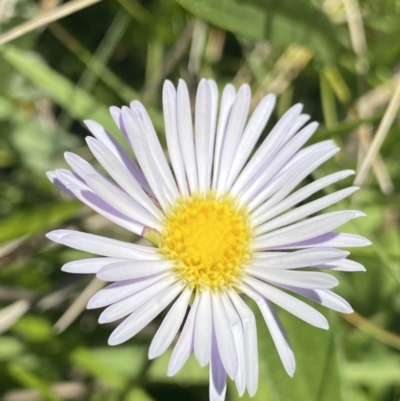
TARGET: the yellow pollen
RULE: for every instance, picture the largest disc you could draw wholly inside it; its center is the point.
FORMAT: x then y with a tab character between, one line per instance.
208	238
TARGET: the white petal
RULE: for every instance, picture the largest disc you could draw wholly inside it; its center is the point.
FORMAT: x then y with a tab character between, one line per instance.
79	165
288	302
224	336
278	206
97	203
122	176
250	341
171	134
217	384
126	306
68	178
302	279
154	145
52	176
88	266
302	164
234	130
203	328
324	297
103	246
276	329
116	149
144	315
271	145
298	259
185	132
137	139
122	289
133	269
344	265
228	98
184	345
305	230
170	325
238	336
212	133
251	134
302	211
334	240
203	126
120	200
272	166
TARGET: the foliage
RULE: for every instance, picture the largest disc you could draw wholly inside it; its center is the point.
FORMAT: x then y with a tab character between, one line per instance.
53	78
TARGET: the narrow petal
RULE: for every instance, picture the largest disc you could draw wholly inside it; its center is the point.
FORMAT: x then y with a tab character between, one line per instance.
212	133
149	166
299	259
251	134
116	149
300	279
301	165
52	176
305	230
98	204
126	306
334	240
217	384
275	164
120	200
291	304
144	315
344	265
303	211
122	176
324	297
224	336
276	329
133	269
171	134
154	146
185	132
250	341
170	325
203	126
228	98
238	337
184	346
203	328
234	130
88	266
274	141
122	289
103	246
277	203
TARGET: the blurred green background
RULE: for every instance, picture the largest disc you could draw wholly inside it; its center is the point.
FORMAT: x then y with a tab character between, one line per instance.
339	58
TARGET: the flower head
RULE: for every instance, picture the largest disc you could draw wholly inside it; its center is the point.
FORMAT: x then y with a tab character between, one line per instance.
223	223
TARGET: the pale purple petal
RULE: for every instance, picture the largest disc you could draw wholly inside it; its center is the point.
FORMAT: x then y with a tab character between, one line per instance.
184	346
144	315
203	328
133	269
170	325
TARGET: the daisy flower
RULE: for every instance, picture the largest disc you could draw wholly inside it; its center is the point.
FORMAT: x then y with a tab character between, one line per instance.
222	222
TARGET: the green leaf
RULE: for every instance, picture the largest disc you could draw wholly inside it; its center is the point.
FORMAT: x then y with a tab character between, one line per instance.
317	375
77	102
36	220
90	363
280	21
31	381
10	347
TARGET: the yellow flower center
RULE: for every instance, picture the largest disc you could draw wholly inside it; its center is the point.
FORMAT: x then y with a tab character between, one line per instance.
208	238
